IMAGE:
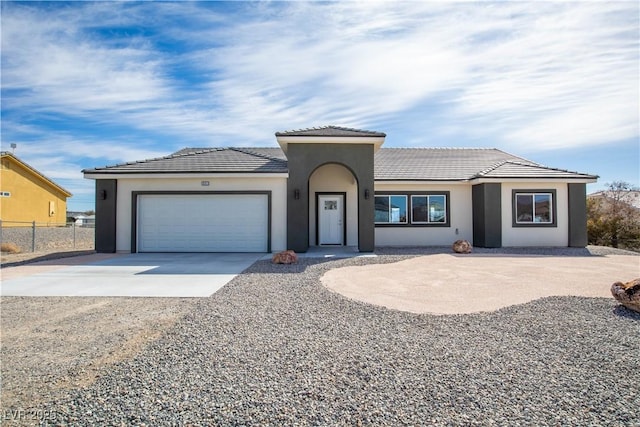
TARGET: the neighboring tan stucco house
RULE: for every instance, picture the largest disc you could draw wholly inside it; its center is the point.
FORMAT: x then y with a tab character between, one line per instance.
335	186
26	195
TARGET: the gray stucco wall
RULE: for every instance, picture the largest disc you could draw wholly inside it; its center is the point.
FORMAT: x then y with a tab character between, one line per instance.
577	215
106	190
487	216
303	159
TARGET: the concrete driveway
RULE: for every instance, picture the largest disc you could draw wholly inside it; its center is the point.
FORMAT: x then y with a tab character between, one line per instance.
127	275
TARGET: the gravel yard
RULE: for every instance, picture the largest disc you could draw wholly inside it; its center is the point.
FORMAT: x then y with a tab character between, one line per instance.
52	345
274	347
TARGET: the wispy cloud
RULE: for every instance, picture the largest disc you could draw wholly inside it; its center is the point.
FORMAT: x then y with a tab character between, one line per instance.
551	74
562	77
38	143
528	73
142	79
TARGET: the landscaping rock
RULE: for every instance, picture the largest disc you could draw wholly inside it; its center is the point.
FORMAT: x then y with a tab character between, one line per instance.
285	257
462	247
273	348
627	294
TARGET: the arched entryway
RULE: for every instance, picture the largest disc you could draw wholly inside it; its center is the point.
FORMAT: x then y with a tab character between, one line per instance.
304	159
333	206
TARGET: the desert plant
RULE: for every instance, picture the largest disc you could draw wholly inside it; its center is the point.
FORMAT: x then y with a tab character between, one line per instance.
10	248
612	219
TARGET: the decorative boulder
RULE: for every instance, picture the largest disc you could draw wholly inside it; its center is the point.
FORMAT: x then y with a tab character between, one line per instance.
285	257
462	247
627	294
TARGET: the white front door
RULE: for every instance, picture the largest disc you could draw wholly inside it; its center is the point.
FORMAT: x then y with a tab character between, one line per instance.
330	219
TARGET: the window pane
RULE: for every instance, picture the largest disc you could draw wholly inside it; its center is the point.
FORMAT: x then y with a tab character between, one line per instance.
419	209
382	209
437	209
398	209
524	208
542	208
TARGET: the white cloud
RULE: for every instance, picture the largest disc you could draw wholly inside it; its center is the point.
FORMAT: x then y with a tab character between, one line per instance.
70	73
552	74
33	143
562	79
522	74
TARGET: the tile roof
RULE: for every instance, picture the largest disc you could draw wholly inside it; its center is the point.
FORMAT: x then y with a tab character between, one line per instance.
331	131
438	164
511	169
390	164
206	160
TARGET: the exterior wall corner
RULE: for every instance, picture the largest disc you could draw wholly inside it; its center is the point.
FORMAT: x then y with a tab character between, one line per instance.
106	214
578	237
487	215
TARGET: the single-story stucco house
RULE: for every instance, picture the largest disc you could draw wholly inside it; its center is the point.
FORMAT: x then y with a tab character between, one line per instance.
335	186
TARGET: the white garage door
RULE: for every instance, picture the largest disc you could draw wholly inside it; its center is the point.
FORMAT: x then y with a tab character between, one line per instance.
203	223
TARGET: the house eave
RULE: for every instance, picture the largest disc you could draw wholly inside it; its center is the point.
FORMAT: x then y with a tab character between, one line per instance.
284	141
576	180
420	181
178	175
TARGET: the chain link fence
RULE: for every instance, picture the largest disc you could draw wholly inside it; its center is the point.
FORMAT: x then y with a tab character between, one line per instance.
23	236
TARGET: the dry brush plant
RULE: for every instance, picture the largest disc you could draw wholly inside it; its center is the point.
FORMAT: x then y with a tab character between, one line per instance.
10	248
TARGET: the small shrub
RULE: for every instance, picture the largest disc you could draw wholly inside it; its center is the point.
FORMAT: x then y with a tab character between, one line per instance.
10	248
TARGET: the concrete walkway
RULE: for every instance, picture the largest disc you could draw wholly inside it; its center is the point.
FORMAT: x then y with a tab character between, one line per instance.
456	284
335	252
131	275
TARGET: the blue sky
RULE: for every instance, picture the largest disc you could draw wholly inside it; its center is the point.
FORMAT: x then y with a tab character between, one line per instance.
90	84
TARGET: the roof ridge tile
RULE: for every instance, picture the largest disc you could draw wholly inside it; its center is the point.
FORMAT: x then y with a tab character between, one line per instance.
538	165
332	127
490	168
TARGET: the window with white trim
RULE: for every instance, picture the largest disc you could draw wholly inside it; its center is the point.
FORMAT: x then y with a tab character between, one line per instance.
534	208
391	209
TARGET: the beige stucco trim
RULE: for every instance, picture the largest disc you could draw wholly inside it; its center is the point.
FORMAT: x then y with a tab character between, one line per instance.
383	183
